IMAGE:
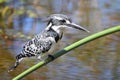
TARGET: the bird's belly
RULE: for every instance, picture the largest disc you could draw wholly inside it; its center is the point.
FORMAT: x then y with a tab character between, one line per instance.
44	46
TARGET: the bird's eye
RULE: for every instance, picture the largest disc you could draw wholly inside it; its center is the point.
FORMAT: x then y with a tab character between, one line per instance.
63	21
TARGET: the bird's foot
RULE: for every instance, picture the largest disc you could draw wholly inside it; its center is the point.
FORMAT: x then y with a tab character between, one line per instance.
51	57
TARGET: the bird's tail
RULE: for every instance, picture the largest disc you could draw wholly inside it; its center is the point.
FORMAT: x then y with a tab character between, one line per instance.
19	57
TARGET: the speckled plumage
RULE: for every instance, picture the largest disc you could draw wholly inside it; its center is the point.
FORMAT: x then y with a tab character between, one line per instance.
41	43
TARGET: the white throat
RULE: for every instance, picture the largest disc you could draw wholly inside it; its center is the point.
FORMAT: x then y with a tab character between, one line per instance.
58	29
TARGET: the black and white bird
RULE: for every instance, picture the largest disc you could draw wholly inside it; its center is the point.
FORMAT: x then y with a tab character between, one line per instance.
43	42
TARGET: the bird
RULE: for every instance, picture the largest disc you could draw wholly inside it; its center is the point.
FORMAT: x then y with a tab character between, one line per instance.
42	42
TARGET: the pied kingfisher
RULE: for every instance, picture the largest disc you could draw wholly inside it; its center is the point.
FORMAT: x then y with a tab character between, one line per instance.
42	42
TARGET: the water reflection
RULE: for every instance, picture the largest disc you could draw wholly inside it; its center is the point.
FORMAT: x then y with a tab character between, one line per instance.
97	60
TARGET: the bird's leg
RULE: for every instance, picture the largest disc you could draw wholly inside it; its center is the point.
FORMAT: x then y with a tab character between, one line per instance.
43	57
39	56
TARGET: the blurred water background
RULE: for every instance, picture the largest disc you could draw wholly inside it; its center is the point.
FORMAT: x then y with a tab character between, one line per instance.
97	60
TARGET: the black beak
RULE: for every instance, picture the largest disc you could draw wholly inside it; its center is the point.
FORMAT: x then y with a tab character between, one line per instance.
76	27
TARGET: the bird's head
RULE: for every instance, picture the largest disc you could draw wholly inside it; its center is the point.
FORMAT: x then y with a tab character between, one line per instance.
60	21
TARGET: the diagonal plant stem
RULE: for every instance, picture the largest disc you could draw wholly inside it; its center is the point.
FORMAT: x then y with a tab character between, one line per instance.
67	49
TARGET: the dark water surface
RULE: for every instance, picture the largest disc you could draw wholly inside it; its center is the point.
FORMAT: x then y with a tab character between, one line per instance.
97	60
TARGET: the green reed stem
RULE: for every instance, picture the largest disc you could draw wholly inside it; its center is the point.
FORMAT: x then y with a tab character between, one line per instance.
67	49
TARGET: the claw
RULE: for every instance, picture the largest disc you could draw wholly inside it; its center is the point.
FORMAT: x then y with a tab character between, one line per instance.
51	56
